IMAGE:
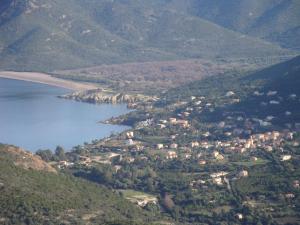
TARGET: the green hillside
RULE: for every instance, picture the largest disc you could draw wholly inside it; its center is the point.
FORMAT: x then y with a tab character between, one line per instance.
37	197
254	91
46	35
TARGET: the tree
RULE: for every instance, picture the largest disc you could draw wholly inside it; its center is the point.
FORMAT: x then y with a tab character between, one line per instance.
150	186
46	155
168	202
60	153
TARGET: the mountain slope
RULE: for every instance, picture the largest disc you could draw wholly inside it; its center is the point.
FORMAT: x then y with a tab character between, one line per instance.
277	21
47	35
30	196
271	92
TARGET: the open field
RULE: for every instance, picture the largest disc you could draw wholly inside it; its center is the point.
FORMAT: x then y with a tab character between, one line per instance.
137	196
43	78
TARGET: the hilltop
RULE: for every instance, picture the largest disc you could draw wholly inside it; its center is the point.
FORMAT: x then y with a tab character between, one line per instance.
49	35
25	160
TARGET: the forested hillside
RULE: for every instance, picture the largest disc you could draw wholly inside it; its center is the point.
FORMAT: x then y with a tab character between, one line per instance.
41	196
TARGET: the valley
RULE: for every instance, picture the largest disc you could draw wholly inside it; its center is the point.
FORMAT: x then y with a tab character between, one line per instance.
161	112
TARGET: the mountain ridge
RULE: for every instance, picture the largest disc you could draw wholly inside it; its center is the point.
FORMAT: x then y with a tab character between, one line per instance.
46	36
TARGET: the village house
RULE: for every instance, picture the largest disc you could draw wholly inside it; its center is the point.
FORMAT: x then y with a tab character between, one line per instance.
96	159
129	159
161	126
172	120
129	142
263	104
239	216
296	144
241	150
205	145
159	146
288	113
220	157
202	162
163	121
268	148
229	94
84	160
198	103
206	134
173	137
183	123
174	146
257	93
254	158
269	118
64	164
249	143
188	156
195	144
171	155
117	168
130	135
273	102
289	195
217	181
296	184
289	136
144	202
235	100
218	174
243	173
272	93
187	114
286	157
275	135
228	134
217	155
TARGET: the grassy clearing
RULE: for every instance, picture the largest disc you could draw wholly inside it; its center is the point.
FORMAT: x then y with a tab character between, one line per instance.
135	196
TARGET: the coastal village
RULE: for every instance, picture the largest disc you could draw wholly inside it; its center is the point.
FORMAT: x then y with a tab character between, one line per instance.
218	154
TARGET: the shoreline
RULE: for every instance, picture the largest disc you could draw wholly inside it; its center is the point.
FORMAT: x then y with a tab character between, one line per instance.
47	79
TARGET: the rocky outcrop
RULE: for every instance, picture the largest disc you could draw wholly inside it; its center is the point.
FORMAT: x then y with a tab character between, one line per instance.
98	96
24	159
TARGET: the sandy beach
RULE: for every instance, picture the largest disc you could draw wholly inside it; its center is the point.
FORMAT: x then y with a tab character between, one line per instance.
46	79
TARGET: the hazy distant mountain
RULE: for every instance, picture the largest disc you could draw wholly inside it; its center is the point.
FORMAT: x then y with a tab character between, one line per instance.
277	21
47	35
